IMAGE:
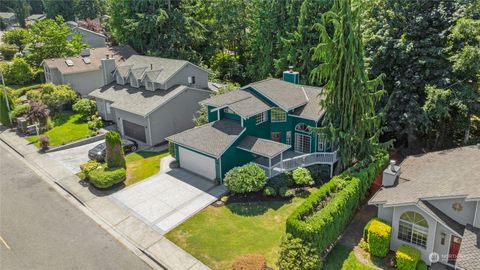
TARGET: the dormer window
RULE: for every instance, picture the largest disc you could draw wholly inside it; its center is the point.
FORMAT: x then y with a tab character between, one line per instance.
260	118
133	82
191	80
120	79
149	85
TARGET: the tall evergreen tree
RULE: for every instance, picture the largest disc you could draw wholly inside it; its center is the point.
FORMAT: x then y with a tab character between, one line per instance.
350	97
90	9
64	8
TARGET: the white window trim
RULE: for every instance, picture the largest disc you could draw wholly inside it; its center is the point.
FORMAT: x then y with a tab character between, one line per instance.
277	109
263	119
301	130
288	138
297	137
321	141
107	108
414	228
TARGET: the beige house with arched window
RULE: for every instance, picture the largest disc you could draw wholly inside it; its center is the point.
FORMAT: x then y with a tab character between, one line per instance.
434	206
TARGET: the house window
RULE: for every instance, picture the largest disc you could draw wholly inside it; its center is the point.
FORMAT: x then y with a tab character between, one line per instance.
302	143
288	138
47	74
260	118
191	80
134	82
278	115
321	143
276	136
413	228
302	127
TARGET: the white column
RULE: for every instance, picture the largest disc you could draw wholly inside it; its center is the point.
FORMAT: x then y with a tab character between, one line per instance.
281	160
269	167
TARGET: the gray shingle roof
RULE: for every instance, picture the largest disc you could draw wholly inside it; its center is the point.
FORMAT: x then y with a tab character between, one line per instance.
263	147
165	67
453	172
137	101
469	253
120	53
241	102
287	95
212	138
312	110
440	216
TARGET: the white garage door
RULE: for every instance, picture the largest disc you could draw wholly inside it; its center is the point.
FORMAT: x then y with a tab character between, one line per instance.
197	163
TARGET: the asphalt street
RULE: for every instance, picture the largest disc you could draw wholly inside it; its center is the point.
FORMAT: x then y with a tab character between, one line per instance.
39	229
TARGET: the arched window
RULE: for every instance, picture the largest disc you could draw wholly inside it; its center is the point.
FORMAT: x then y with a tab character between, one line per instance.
413	228
302	127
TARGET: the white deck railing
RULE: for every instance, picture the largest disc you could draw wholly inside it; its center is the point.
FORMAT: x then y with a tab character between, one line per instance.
290	164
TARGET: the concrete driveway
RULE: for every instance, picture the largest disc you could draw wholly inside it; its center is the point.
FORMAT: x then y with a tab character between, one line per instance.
73	157
167	199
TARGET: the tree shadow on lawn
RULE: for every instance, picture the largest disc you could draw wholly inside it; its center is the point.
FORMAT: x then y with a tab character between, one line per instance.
60	118
255	208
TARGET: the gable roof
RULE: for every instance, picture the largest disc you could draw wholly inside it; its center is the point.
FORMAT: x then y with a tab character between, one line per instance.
212	139
137	101
119	53
7	15
312	110
440	216
263	147
469	249
241	101
286	95
448	173
164	67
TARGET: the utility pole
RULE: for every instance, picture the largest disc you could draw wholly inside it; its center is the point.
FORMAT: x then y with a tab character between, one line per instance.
6	97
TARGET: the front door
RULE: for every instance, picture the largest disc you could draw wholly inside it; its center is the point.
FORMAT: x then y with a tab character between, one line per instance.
302	143
454	248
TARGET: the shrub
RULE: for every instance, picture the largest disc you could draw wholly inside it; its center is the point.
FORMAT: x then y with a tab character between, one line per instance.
407	257
89	166
115	157
86	107
378	237
320	222
296	255
320	173
302	177
44	142
20	110
15	36
421	265
246	178
281	180
284	192
250	262
269	191
17	72
57	97
106	177
38	112
24	90
8	51
95	122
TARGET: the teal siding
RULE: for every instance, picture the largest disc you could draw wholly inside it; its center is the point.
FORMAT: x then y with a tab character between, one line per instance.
234	157
261	130
212	116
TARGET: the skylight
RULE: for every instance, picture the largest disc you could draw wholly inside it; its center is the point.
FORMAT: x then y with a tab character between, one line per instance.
69	62
86	60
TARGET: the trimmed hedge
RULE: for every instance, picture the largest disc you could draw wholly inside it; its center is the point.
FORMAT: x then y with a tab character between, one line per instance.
106	177
378	237
320	224
407	257
421	265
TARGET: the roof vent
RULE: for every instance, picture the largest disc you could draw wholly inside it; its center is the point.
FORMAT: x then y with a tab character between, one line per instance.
86	60
69	62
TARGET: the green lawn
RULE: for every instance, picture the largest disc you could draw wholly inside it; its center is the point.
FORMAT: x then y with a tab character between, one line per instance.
67	127
217	235
343	258
142	164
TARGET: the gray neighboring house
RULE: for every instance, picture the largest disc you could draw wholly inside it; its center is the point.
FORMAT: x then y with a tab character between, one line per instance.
434	206
150	98
84	72
35	17
89	37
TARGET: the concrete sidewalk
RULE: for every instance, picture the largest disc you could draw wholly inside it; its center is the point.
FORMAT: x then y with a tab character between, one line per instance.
150	244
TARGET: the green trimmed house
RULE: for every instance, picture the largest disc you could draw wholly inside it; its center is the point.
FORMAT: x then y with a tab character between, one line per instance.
267	122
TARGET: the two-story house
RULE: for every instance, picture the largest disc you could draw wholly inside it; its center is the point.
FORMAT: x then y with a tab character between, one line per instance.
432	203
267	122
150	98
